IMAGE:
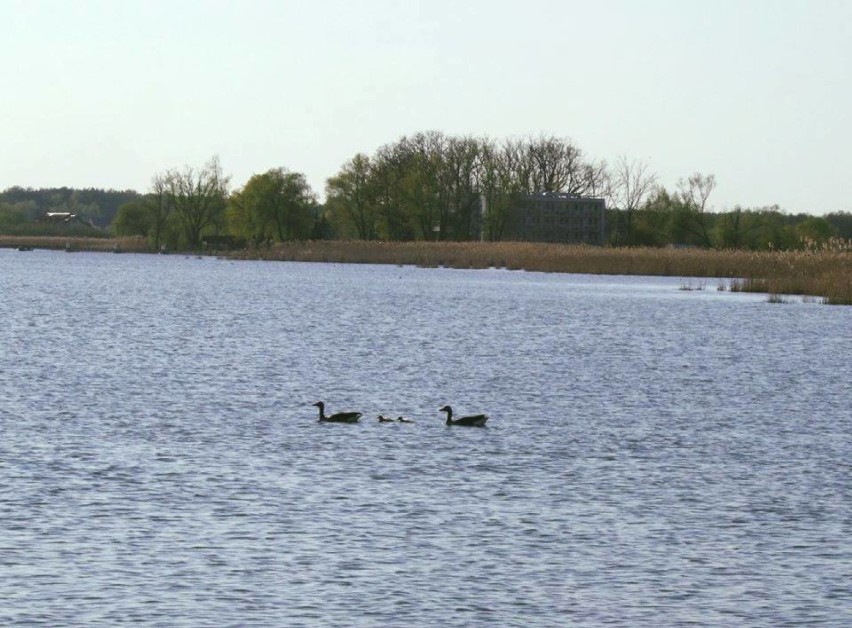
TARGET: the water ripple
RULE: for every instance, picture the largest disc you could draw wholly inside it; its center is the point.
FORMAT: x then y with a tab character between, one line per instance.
654	457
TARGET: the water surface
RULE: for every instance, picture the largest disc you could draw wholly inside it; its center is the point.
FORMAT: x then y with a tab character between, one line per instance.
654	455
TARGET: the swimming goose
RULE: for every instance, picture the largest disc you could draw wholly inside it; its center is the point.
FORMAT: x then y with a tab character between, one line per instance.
476	420
340	417
384	419
404	420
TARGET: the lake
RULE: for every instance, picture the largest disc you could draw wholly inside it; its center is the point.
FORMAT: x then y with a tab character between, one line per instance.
654	455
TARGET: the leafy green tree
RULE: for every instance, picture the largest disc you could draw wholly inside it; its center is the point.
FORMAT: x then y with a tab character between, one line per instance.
133	218
389	171
424	195
771	230
730	229
842	223
276	204
322	229
242	220
748	229
351	193
814	231
654	224
12	215
158	204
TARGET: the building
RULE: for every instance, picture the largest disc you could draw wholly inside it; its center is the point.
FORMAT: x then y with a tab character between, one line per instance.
57	217
560	217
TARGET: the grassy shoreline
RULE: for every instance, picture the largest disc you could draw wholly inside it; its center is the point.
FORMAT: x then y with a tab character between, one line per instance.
825	273
62	243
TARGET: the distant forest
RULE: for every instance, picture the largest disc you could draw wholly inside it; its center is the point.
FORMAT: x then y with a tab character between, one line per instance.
428	186
22	209
657	223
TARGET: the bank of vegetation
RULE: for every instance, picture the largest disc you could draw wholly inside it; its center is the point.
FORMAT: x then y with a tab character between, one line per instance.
816	271
433	199
821	272
100	244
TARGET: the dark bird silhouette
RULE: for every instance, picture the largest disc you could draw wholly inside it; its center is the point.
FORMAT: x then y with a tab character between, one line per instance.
404	420
475	420
340	417
384	419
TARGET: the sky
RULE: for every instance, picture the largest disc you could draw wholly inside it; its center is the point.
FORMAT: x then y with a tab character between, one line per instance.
109	93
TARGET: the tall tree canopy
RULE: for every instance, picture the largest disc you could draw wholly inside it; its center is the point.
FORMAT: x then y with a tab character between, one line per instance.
197	197
351	193
276	204
431	185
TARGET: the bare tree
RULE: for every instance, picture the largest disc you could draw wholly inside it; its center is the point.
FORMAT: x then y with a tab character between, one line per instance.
158	207
694	193
558	165
198	198
498	183
515	167
459	178
632	184
596	179
426	188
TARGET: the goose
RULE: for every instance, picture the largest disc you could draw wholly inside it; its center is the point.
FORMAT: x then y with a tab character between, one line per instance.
476	420
340	417
404	420
384	419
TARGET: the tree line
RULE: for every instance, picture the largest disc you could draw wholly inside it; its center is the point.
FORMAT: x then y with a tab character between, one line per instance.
21	209
433	186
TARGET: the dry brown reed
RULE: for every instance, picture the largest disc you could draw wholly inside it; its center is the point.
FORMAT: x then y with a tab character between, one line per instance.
825	272
130	245
818	271
531	256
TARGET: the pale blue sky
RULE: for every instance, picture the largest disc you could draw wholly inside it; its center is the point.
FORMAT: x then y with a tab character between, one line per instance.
108	93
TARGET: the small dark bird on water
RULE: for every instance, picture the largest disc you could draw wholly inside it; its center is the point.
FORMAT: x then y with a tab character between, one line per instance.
386	419
340	417
475	420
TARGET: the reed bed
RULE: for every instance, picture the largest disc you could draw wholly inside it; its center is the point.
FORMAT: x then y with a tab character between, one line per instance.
824	272
531	256
111	245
